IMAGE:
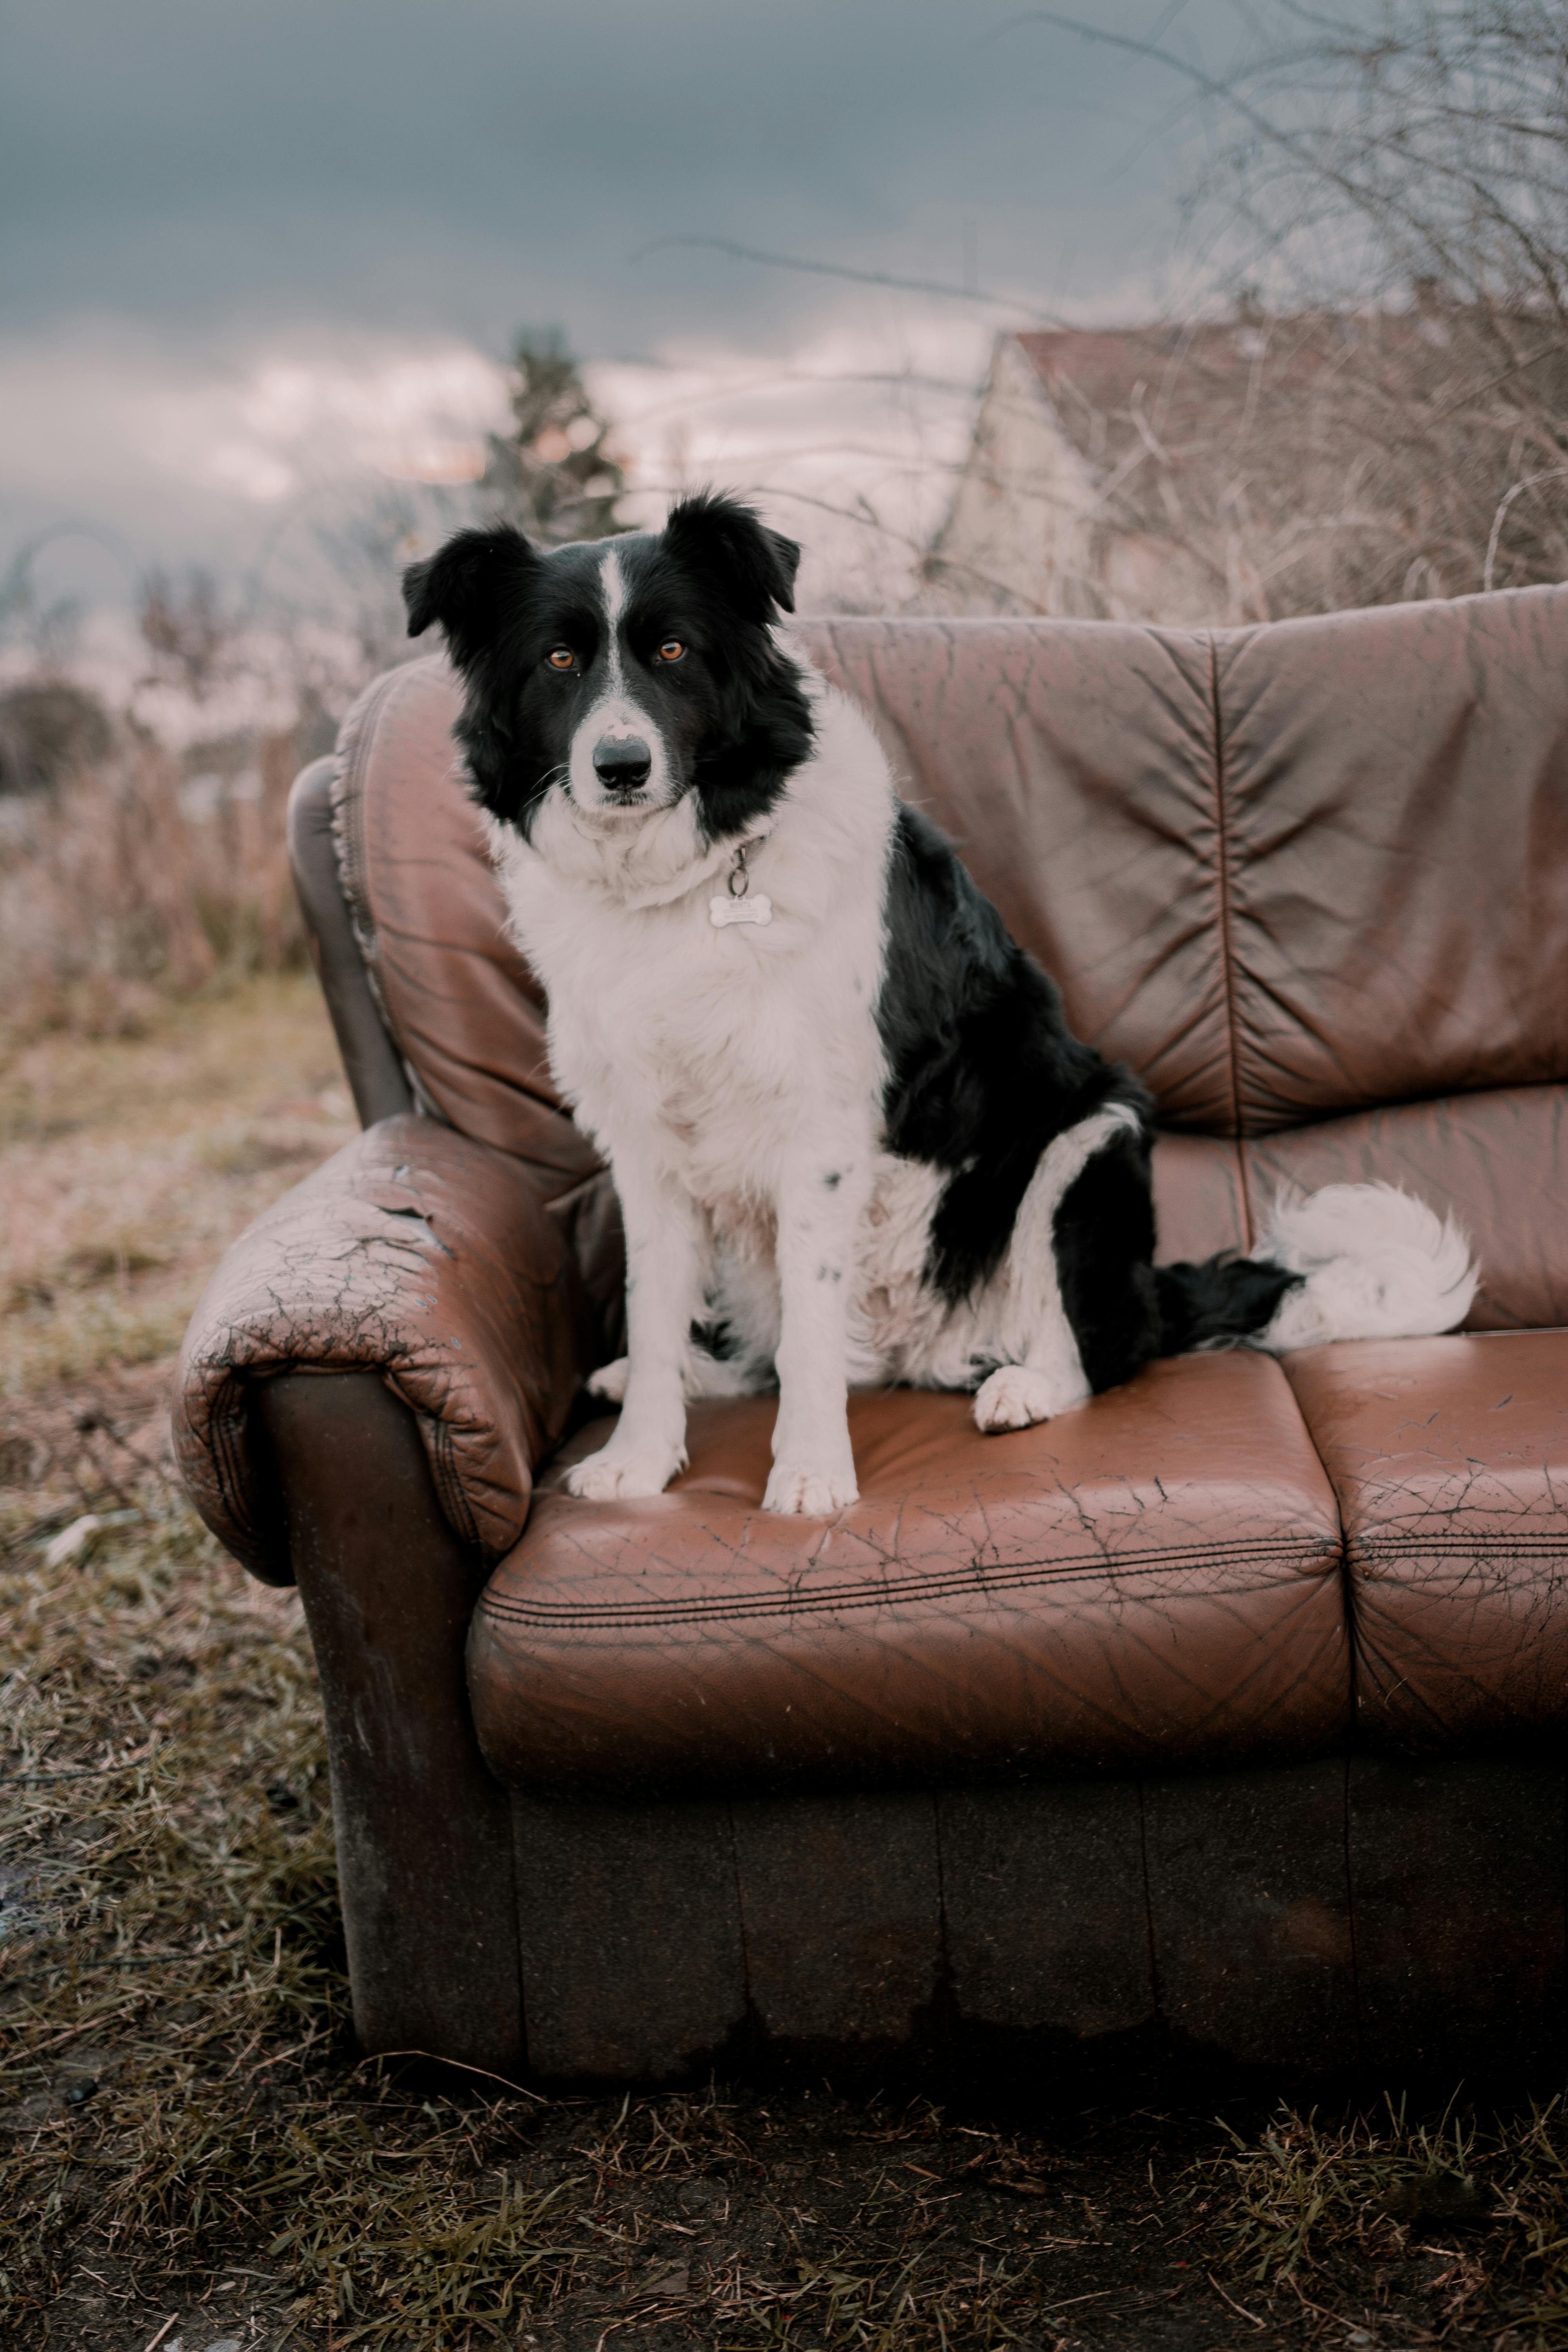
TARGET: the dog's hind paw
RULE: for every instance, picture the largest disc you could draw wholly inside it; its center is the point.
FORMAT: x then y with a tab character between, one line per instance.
610	1380
1017	1395
801	1492
611	1477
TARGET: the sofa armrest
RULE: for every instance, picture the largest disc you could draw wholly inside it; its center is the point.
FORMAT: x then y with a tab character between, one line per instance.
376	1075
423	1256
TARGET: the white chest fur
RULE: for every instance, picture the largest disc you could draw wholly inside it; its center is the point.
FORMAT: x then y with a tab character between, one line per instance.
716	1050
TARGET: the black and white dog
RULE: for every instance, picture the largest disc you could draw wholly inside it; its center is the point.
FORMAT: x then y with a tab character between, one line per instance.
854	1140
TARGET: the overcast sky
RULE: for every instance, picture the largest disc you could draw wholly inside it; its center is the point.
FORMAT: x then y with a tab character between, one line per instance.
249	248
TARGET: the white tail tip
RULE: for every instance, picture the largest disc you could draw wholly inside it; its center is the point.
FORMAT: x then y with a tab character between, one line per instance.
1378	1265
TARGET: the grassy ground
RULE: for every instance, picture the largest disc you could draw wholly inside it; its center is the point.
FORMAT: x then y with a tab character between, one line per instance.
190	2152
126	1164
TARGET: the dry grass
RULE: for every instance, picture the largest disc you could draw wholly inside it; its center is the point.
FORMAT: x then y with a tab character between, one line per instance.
127	1164
163	1906
113	896
1309	2192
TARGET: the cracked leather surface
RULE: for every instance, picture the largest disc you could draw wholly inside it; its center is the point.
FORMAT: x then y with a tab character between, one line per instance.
1449	1458
1267	865
1152	1576
417	1253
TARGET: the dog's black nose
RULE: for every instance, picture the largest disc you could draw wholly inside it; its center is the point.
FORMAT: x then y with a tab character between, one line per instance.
622	762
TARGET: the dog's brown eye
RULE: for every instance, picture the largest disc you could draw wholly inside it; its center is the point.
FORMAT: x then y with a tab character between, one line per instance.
671	649
562	658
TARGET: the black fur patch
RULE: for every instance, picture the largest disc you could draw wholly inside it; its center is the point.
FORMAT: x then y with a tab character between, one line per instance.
1223	1299
1104	1240
983	1072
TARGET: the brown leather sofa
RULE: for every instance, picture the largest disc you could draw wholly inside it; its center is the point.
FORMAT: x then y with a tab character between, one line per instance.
1222	1714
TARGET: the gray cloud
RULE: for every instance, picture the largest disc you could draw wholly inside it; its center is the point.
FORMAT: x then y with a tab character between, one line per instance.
466	166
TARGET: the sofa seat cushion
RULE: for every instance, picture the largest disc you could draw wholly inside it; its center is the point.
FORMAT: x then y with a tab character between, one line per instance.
1450	1461
1153	1579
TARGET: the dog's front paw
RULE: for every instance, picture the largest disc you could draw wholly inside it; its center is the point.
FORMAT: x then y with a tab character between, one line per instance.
799	1490
610	1380
612	1475
1016	1396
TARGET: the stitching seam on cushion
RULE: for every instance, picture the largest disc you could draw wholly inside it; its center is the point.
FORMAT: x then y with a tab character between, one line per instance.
450	1488
225	1425
1375	1550
358	730
1151	1555
357	741
1347	1572
355	745
898	1592
1222	849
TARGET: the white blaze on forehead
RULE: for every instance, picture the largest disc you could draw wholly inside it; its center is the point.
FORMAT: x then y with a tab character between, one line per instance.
612	582
613	588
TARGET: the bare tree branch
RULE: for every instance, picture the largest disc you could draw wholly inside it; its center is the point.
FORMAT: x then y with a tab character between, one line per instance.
843	269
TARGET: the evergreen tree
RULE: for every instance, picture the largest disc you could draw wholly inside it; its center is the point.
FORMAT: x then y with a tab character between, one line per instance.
557	474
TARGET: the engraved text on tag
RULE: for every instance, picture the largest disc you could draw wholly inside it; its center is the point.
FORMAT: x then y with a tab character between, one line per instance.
721	911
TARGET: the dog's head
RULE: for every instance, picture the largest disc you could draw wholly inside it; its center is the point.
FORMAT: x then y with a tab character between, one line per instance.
625	674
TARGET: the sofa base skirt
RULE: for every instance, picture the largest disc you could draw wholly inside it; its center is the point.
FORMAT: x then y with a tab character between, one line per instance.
1354	1918
1358	1916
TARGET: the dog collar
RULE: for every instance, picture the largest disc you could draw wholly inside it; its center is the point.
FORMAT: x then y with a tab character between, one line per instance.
736	905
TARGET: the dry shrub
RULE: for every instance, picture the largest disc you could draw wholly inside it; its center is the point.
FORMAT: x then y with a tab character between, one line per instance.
1383	414
1406	166
111	893
1270	466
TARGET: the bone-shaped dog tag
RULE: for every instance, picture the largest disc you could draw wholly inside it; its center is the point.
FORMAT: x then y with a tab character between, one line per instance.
721	911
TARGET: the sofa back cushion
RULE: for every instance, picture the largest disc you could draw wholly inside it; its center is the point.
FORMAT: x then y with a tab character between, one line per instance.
1304	878
1284	872
1498	1161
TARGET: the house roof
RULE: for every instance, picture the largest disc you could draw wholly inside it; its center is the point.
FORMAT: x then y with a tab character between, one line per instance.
1168	381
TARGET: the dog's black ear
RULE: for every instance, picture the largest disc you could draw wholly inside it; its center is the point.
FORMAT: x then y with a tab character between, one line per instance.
469	586
756	566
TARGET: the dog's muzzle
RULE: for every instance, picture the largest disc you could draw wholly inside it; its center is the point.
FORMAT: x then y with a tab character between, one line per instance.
621	763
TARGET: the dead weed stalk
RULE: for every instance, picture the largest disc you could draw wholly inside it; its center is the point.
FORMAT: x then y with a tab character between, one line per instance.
112	892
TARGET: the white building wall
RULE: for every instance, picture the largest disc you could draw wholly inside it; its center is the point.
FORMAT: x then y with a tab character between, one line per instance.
1034	529
1019	532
